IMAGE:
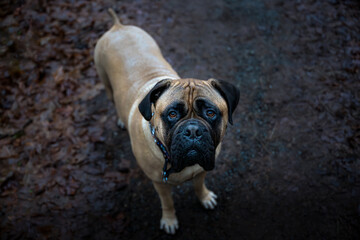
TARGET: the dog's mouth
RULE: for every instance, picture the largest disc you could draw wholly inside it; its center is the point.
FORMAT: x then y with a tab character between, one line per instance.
190	147
192	153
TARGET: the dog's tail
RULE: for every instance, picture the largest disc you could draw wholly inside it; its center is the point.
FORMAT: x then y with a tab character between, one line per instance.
115	18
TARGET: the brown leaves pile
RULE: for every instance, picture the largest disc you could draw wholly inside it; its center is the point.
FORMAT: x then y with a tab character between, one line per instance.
50	121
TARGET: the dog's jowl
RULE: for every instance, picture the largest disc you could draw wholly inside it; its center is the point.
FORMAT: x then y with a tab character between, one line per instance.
175	125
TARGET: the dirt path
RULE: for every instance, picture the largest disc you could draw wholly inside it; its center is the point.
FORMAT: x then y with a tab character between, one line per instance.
289	168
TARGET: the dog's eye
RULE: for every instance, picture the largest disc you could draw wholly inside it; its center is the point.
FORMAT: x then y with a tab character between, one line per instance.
172	114
210	113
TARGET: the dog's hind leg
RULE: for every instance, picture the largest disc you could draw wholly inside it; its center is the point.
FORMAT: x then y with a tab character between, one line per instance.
104	78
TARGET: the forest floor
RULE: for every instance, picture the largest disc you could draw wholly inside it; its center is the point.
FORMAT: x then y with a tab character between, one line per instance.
289	166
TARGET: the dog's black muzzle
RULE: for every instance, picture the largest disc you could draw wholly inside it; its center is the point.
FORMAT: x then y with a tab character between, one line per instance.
191	144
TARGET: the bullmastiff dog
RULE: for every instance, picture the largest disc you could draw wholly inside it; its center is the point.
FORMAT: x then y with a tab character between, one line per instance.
175	125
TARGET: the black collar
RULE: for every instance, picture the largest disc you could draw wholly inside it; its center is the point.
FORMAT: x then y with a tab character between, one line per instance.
165	153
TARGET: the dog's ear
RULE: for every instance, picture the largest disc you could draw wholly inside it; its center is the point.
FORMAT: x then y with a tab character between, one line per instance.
229	92
152	96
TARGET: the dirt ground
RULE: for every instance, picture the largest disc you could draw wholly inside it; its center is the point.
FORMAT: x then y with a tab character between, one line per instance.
289	167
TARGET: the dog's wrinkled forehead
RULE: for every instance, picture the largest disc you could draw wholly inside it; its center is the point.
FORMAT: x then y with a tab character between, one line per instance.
188	90
218	93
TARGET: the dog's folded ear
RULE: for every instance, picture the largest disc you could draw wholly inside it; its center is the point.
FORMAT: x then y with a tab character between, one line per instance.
152	96
229	92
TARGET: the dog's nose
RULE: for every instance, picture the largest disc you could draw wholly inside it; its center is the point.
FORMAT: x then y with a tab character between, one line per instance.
192	131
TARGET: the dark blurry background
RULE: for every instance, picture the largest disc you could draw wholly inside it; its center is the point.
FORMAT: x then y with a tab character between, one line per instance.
289	168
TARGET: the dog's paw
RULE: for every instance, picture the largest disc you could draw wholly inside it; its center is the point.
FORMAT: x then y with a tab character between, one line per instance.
120	124
209	201
169	225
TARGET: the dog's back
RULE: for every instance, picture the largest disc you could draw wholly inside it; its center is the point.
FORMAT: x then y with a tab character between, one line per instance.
126	57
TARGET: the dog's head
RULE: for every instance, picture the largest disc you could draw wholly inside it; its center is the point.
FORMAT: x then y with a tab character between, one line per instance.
190	118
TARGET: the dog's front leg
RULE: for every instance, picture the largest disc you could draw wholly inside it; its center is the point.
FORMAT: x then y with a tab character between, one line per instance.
168	220
206	197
